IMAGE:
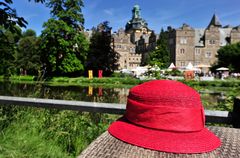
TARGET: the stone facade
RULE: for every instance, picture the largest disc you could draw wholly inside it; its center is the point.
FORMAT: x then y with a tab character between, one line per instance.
200	46
129	59
131	42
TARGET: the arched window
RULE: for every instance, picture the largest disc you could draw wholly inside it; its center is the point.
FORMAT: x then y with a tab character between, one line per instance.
182	51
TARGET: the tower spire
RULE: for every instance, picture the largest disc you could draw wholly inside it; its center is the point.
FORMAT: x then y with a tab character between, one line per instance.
136	13
214	21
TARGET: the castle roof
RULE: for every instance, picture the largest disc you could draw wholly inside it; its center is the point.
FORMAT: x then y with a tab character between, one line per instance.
137	22
224	35
199	35
237	27
214	21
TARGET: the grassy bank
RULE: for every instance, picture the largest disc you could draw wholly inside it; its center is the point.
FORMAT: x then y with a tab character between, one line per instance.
116	81
33	132
108	81
216	83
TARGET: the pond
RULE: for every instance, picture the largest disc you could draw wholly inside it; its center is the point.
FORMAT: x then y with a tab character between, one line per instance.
211	97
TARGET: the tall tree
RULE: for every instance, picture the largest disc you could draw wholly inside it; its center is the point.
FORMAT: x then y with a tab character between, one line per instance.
101	54
9	18
9	35
28	57
68	11
229	56
8	48
64	46
161	56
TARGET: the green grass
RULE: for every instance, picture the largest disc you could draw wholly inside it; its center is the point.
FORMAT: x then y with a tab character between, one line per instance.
19	141
216	83
115	81
33	132
104	80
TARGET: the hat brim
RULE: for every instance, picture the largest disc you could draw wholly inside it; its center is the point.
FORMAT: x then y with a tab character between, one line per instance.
166	141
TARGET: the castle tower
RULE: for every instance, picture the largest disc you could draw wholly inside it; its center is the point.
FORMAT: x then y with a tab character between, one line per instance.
235	34
212	40
181	42
137	25
214	22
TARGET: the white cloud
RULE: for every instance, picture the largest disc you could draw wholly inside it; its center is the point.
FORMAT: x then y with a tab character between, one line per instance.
109	11
230	14
30	16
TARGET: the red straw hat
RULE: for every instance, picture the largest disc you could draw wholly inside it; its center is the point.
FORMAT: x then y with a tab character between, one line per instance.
167	116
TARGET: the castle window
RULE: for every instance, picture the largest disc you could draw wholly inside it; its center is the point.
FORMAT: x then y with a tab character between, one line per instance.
197	63
132	49
182	51
212	42
183	40
208	54
118	46
197	51
182	63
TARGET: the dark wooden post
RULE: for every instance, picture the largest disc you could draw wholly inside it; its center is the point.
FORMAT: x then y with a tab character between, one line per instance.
236	112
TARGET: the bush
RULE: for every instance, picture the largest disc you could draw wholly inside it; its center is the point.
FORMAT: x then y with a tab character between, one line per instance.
174	72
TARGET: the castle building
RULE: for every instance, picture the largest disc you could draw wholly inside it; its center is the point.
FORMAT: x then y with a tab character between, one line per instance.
186	44
129	41
200	46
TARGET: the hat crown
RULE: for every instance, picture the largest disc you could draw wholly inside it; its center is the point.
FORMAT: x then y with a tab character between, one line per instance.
166	93
165	105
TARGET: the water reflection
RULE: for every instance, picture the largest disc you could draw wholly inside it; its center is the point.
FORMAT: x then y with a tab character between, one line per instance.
90	90
89	93
212	99
81	93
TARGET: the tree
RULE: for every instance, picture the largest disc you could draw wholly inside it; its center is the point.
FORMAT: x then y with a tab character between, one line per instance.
8	48
29	32
229	56
28	57
101	55
10	33
63	45
161	56
68	11
9	18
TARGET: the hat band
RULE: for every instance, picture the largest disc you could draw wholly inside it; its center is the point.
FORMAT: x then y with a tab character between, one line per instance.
165	117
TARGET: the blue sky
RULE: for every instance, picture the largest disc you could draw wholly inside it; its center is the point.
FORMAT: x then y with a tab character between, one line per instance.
158	13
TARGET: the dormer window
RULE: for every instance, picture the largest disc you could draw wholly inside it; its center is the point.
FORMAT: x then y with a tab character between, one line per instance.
182	51
183	41
212	42
208	54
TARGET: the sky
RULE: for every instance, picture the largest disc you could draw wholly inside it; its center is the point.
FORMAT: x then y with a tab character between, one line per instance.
158	13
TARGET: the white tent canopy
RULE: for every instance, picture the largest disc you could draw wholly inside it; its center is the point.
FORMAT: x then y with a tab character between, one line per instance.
192	68
189	66
222	69
172	66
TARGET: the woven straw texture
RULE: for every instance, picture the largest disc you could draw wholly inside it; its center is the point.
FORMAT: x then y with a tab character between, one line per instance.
106	146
